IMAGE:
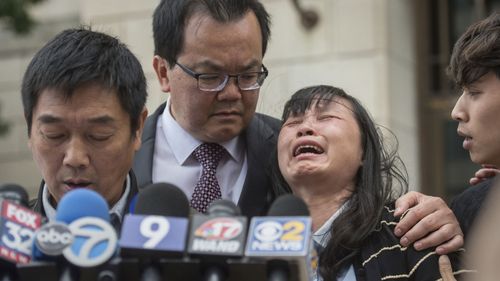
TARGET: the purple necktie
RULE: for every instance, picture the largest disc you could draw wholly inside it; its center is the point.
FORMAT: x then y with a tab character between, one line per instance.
207	188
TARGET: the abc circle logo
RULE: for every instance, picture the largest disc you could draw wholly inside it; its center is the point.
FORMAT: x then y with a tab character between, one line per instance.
94	242
269	231
53	238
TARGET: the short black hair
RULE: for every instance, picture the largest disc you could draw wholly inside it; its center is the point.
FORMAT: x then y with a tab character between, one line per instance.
171	16
78	57
476	52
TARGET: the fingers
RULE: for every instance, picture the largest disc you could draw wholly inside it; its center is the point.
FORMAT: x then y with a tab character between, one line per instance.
488	171
451	246
430	224
405	202
474	181
425	207
446	238
445	269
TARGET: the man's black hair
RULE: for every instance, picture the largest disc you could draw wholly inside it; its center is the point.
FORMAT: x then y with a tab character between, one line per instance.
81	57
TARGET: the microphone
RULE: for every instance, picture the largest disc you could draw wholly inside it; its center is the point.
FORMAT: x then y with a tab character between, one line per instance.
17	229
283	238
216	237
14	193
87	216
50	241
157	229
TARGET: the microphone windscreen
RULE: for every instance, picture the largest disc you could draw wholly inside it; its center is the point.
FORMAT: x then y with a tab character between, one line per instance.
162	199
223	207
81	202
288	205
14	193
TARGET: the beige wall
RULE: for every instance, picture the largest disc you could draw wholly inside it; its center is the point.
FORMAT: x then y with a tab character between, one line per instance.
364	46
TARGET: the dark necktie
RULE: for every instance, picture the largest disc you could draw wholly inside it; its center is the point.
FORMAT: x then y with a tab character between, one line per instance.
207	188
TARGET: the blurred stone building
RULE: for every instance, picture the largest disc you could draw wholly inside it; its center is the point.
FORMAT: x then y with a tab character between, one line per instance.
391	54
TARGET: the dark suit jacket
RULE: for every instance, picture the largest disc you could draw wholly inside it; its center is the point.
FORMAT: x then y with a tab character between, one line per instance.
467	205
37	204
260	136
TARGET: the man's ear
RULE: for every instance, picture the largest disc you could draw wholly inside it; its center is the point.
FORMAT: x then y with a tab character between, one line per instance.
161	69
140	128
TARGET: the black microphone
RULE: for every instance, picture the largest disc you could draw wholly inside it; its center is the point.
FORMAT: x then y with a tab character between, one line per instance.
14	193
284	239
17	229
216	237
157	229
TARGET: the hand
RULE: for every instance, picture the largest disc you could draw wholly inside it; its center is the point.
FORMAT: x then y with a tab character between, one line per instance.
445	269
486	172
429	222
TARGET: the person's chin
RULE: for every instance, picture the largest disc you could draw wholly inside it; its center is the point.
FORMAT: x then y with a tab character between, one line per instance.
225	133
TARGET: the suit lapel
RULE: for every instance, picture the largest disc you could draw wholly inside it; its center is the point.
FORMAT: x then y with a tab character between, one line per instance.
143	160
257	190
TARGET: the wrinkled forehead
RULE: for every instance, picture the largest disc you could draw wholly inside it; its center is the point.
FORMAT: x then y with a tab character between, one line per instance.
299	106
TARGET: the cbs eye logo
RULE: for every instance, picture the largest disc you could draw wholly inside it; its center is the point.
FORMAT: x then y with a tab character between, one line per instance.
270	231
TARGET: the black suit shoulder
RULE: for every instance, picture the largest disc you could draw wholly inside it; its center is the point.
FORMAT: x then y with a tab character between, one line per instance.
467	205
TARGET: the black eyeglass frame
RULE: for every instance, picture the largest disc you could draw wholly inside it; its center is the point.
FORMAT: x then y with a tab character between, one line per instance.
262	75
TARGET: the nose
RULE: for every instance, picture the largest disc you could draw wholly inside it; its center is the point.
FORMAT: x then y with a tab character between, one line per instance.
306	129
458	113
231	91
76	155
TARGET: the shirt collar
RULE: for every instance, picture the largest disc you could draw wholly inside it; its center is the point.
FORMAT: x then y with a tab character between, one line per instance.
322	235
184	143
118	209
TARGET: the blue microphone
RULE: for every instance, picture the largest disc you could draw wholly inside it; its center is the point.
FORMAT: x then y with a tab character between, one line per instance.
283	238
79	203
87	215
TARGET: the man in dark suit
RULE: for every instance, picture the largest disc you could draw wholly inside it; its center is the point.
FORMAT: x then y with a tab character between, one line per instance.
208	56
84	97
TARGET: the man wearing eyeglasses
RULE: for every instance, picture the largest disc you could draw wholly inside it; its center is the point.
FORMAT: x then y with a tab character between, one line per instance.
207	138
208	56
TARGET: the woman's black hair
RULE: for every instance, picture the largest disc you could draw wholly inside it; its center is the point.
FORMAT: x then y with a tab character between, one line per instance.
375	185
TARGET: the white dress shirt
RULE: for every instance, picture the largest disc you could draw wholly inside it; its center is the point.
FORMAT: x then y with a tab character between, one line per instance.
173	160
118	209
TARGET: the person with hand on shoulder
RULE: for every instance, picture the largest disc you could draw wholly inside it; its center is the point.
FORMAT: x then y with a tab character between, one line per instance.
475	67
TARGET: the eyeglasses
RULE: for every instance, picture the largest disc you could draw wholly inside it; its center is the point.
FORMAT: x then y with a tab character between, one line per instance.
214	82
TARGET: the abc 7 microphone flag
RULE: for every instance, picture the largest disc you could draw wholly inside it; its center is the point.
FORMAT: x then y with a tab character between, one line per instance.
17	228
94	242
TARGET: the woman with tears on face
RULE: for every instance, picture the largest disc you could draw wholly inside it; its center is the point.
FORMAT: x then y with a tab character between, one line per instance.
331	154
